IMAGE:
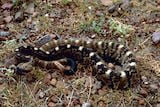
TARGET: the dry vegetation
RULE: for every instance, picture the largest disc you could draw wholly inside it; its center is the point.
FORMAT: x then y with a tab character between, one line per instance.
132	26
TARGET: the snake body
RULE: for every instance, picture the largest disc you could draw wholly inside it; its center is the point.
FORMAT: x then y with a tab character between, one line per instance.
98	51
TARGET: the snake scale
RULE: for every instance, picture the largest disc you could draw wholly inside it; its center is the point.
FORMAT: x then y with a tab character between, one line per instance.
100	52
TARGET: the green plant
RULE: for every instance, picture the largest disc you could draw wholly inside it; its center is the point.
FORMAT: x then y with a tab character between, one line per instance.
65	1
95	26
119	28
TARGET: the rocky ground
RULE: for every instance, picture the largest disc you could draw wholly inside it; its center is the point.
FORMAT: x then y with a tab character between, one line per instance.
135	23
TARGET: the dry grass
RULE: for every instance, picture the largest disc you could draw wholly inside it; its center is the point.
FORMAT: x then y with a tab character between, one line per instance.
80	21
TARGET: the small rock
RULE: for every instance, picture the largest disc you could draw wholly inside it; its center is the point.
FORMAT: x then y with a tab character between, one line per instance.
53	36
143	93
156	37
35	14
86	105
7	6
2	87
112	8
6	13
53	82
158	105
19	16
99	13
102	92
78	105
110	65
47	78
97	85
60	85
4	33
154	88
41	94
54	99
8	19
144	78
1	80
101	104
51	104
52	14
106	2
125	4
29	20
141	102
2	26
30	8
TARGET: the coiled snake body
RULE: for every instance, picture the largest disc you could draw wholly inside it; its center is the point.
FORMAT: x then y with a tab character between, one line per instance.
99	52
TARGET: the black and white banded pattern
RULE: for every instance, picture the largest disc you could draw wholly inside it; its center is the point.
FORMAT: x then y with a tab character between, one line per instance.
99	52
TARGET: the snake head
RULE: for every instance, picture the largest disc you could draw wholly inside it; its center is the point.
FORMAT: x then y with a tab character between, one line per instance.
25	50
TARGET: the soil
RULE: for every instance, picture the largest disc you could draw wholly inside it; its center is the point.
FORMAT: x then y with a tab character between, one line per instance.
130	22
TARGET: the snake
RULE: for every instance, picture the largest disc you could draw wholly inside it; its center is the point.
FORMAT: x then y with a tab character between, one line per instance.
75	50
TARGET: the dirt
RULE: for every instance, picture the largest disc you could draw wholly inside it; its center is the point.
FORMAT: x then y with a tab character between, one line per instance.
129	22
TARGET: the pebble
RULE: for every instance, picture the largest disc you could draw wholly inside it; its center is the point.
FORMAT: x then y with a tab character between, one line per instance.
51	104
101	104
154	88
110	65
4	33
2	26
141	102
30	8
41	94
106	2
47	78
143	93
144	78
35	14
60	85
53	82
156	37
102	92
6	13
19	16
54	99
112	9
86	105
7	6
29	20
8	19
1	80
97	85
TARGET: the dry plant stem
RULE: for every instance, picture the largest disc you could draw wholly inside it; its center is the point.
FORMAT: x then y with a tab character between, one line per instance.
145	40
70	99
148	103
31	94
89	94
35	86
